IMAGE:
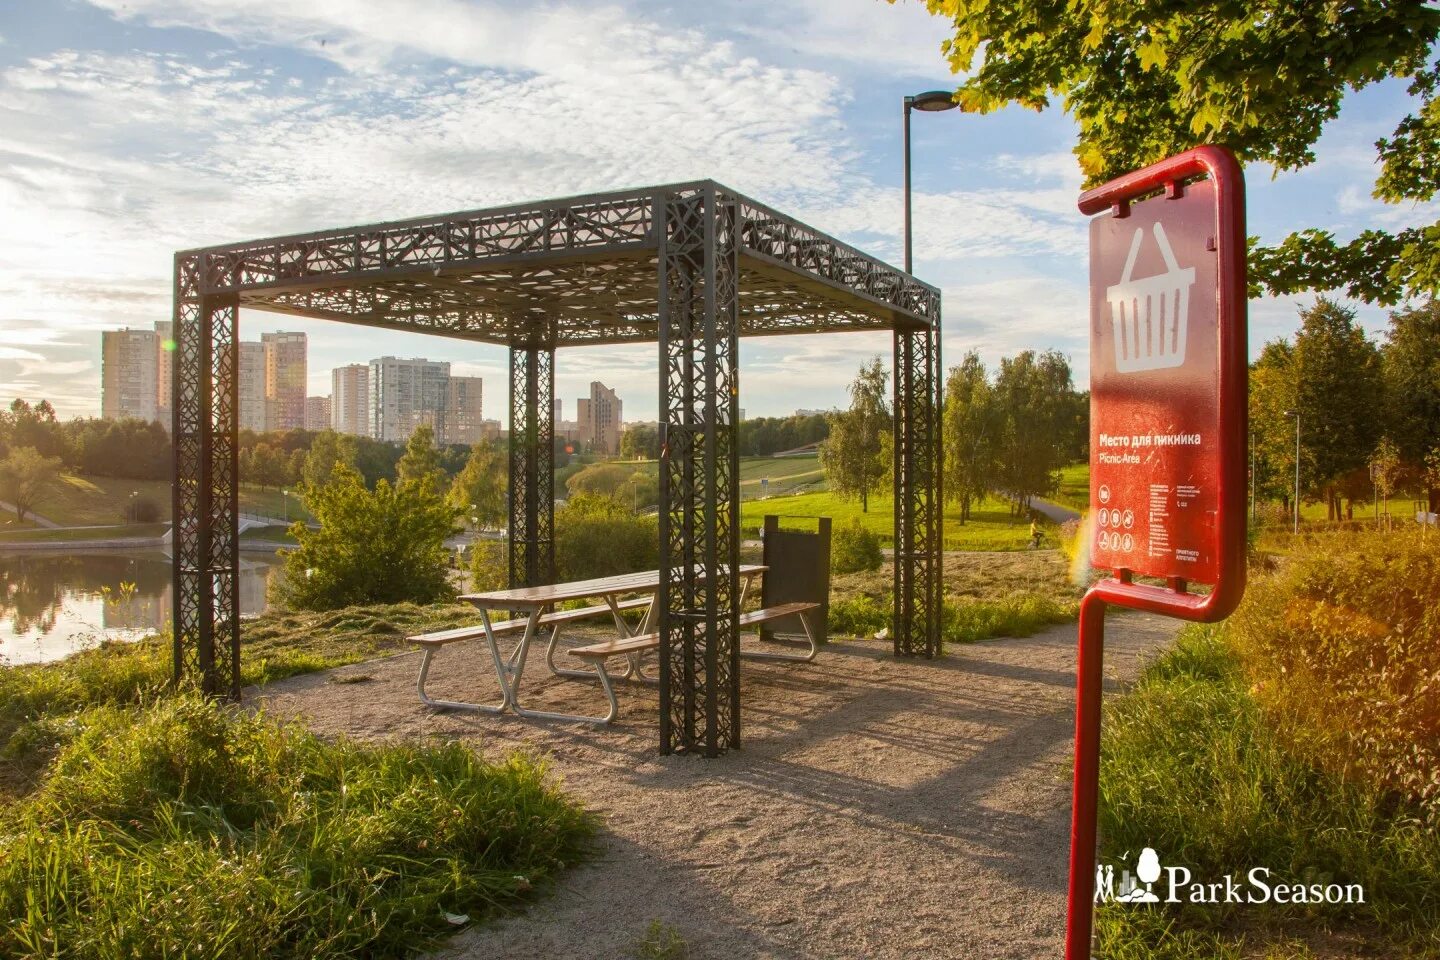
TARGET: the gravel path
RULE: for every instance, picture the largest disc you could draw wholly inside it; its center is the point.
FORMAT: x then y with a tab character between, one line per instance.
879	809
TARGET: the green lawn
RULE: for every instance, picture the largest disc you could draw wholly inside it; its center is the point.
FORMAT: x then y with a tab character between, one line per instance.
1074	489
786	474
990	527
81	501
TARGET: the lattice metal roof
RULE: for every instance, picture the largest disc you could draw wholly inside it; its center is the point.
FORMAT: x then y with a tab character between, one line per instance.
588	263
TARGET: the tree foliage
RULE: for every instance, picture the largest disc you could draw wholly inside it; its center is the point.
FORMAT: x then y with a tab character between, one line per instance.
385	545
1150	78
855	454
27	478
971	434
478	490
1410	361
763	436
1033	401
421	462
640	442
326	451
598	536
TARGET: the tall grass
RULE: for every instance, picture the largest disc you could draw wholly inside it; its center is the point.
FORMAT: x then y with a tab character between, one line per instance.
963	621
1193	766
1342	643
182	828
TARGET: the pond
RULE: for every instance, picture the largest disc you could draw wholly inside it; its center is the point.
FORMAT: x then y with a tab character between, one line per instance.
52	605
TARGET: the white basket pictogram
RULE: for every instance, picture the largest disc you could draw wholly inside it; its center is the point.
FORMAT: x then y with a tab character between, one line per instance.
1149	314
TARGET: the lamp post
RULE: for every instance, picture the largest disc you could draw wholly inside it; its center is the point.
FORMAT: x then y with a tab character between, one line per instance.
286	494
931	101
1296	415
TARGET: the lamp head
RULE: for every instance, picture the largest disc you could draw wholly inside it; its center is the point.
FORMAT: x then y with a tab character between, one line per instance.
932	101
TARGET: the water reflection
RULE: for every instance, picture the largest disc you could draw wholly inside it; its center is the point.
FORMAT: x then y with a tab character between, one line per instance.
51	606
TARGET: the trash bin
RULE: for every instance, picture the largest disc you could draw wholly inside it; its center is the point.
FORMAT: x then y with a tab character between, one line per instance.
798	563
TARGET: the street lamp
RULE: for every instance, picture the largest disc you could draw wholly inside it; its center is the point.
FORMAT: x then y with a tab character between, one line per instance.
932	101
286	494
1296	415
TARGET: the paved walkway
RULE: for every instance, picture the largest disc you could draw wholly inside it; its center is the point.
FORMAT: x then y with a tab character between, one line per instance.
32	516
880	808
1056	512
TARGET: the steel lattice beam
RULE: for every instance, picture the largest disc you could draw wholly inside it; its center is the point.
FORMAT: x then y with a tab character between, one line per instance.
532	461
205	539
918	586
699	476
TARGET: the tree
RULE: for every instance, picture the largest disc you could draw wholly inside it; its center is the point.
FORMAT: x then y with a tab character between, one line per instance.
1032	400
27	478
970	434
640	442
421	462
1384	467
1338	393
380	546
854	454
326	451
479	488
1272	432
1149	78
1410	361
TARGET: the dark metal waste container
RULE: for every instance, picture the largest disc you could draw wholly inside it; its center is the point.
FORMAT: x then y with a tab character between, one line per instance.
799	569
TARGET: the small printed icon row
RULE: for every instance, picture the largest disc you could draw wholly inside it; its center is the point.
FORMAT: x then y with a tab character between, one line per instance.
1116	541
1114	518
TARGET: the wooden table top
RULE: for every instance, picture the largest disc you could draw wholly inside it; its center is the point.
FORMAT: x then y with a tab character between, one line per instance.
527	598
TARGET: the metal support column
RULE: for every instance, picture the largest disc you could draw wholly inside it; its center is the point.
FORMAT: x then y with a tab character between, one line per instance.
532	461
205	539
699	601
916	626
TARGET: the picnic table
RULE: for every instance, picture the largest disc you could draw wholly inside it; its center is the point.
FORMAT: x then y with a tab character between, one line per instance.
537	604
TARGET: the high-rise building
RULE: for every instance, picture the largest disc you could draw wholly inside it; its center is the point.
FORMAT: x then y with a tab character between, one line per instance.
127	374
252	386
350	399
464	411
285	380
599	419
164	369
405	394
317	413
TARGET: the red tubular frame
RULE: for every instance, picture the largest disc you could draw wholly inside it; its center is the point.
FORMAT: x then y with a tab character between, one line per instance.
1220	166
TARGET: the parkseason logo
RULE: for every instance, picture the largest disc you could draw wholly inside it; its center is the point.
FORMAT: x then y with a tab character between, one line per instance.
1153	882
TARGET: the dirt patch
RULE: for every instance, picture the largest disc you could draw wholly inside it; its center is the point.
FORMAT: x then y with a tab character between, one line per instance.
879	808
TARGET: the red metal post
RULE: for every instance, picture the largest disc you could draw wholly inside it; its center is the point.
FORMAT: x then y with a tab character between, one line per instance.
1221	167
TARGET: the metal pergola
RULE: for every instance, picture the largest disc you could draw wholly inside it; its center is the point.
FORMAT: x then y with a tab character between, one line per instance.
692	267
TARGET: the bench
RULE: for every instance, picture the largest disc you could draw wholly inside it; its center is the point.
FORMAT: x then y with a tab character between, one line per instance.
432	643
632	647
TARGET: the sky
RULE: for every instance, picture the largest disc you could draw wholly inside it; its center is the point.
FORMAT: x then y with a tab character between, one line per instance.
130	129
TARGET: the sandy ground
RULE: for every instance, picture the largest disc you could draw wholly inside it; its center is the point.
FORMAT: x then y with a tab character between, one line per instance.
879	808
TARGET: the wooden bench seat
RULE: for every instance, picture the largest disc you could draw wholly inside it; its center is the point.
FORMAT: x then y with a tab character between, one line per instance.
433	642
600	652
440	638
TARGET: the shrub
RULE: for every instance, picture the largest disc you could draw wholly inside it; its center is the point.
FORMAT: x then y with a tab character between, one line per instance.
1343	646
143	510
860	616
599	537
489	565
855	548
380	546
184	828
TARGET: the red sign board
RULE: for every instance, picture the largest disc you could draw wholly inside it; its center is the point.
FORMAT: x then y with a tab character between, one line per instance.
1154	386
1168	396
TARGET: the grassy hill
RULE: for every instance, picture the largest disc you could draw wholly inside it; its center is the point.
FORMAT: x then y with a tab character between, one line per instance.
990	526
81	501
